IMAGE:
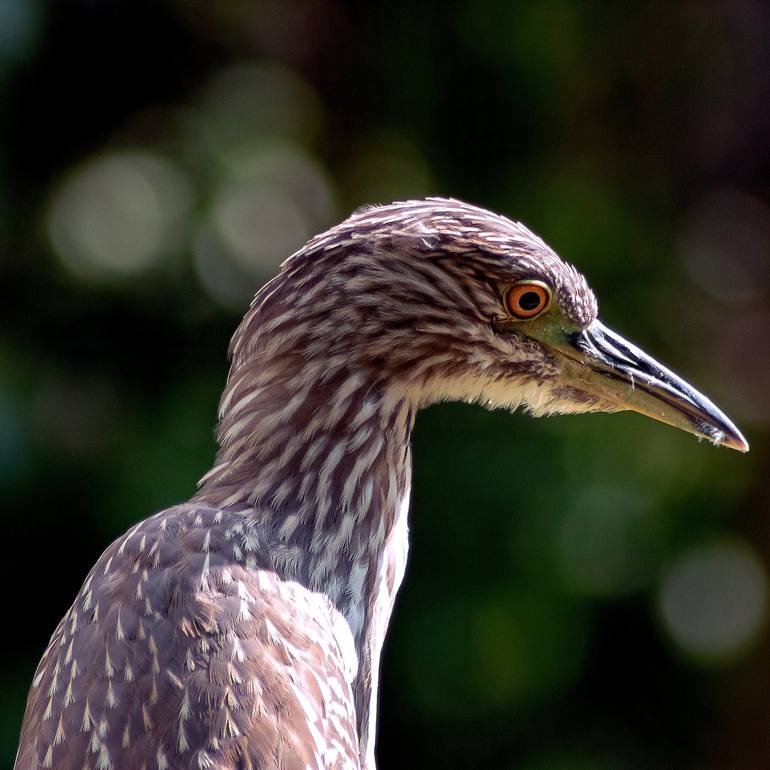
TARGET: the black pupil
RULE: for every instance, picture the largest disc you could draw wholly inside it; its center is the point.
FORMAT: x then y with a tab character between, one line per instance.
529	300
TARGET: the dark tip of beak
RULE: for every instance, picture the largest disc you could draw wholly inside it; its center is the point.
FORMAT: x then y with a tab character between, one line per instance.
654	390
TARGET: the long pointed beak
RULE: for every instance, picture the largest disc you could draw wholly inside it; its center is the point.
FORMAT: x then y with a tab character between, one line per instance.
621	373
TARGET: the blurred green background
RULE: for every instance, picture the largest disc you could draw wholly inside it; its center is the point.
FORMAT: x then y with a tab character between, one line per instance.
584	593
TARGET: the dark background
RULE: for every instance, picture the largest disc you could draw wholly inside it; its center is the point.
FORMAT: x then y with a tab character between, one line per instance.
584	593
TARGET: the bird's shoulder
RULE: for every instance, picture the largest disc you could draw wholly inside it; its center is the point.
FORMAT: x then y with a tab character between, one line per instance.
185	649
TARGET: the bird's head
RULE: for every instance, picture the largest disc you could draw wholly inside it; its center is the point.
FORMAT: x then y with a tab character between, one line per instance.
442	300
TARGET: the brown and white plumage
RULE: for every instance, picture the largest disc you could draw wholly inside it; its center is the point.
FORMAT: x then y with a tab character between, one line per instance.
243	629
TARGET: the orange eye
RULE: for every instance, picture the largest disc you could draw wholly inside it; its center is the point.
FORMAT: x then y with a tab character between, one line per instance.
527	299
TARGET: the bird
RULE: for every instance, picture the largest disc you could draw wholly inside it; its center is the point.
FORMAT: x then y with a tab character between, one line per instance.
244	627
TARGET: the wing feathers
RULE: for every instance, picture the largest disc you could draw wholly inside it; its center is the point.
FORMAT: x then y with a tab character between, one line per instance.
175	655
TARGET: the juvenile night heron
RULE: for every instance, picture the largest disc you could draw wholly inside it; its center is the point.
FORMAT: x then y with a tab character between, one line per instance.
243	629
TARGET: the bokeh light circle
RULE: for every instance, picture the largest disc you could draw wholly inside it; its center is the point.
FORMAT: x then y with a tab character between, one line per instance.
713	602
273	196
118	215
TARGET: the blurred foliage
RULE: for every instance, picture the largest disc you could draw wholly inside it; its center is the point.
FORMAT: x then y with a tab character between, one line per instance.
584	593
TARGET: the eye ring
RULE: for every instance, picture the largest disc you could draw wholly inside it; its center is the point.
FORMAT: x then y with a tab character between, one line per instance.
526	299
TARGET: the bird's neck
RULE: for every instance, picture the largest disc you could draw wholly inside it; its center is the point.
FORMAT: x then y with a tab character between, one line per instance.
320	462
